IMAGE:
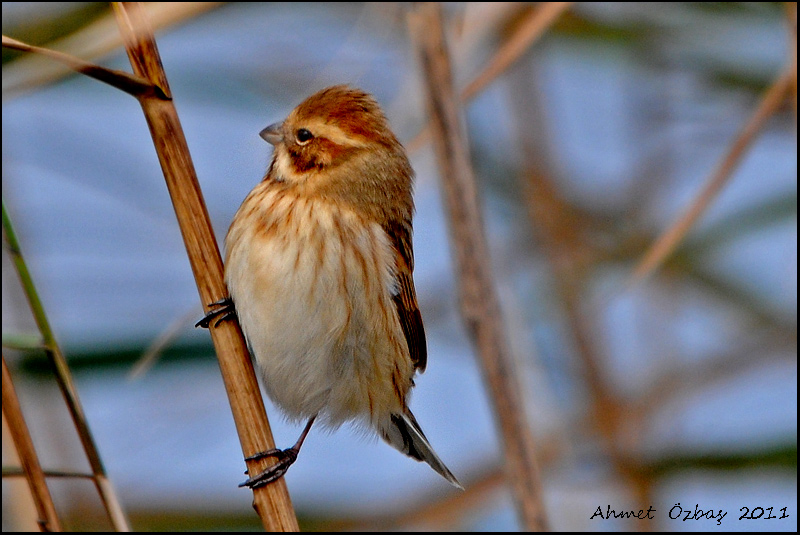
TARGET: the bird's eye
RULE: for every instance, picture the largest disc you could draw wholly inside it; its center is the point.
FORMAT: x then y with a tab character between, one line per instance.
303	136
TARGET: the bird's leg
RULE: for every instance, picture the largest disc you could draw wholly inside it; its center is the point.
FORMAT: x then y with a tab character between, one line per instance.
224	311
285	459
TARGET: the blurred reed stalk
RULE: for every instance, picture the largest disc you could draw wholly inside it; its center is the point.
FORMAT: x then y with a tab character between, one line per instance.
271	502
480	307
561	229
64	379
12	412
791	23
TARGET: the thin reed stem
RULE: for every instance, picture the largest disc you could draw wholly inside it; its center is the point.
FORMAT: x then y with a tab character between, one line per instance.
272	502
480	307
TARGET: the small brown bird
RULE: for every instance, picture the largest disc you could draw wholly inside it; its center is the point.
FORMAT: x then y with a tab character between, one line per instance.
319	266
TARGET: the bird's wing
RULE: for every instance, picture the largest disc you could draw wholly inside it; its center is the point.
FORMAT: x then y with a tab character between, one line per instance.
405	299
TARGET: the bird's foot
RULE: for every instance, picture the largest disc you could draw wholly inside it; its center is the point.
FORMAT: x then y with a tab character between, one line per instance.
285	459
220	311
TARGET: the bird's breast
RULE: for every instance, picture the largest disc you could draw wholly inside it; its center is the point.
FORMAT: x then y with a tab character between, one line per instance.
312	285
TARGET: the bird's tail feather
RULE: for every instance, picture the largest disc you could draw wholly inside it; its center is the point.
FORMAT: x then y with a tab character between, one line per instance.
405	435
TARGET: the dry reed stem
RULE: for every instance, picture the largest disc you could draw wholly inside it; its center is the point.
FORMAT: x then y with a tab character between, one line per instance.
561	228
272	502
48	518
64	379
666	244
791	22
480	308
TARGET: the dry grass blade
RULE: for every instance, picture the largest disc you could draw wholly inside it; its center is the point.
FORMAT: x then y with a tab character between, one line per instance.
9	471
48	518
133	85
480	307
669	240
528	33
272	501
96	39
64	379
162	342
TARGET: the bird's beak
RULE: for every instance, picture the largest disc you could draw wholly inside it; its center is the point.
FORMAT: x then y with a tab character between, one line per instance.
272	134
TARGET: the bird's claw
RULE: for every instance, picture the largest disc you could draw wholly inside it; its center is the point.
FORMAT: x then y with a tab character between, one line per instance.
285	457
224	310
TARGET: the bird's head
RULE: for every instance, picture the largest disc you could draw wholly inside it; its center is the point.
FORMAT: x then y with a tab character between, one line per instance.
334	127
338	144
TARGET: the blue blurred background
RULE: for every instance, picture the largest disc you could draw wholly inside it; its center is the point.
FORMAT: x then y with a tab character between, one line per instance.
682	388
